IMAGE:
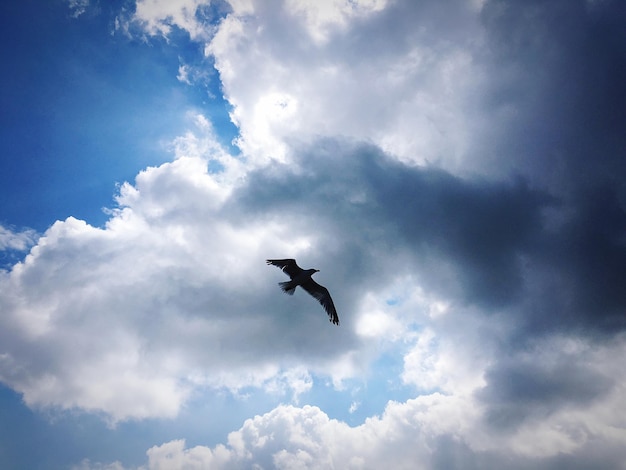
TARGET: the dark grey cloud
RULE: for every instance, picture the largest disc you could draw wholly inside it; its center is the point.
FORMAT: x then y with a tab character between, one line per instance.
377	211
591	250
556	72
558	67
541	237
499	236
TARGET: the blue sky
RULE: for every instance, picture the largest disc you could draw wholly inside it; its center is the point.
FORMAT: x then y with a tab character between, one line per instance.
73	89
456	173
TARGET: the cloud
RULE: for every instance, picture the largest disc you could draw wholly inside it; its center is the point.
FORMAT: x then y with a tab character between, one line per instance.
172	294
564	59
88	465
557	373
158	17
310	84
154	300
447	86
444	86
438	431
13	244
490	88
78	7
483	228
19	241
122	325
290	437
320	17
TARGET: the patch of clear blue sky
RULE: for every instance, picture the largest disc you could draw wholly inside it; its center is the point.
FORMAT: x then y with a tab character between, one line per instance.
371	394
82	109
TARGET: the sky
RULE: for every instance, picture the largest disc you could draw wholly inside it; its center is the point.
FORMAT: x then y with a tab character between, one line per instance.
455	170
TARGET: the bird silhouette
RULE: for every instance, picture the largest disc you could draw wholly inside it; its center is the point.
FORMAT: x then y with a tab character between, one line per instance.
302	277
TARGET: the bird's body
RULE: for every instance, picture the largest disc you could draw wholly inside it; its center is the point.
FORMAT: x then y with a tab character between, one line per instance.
302	277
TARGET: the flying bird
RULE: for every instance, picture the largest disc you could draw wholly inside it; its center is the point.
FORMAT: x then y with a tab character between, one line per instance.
302	277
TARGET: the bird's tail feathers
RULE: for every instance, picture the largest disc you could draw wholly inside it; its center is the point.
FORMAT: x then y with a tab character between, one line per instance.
287	287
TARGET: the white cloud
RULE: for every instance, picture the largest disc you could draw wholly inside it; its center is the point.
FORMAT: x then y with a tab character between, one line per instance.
86	464
78	7
354	406
157	17
323	15
21	241
405	95
302	69
170	296
173	455
127	318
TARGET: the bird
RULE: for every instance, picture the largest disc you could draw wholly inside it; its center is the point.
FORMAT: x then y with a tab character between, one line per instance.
302	277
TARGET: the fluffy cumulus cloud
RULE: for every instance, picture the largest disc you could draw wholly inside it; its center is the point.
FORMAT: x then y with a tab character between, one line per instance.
386	72
165	297
456	173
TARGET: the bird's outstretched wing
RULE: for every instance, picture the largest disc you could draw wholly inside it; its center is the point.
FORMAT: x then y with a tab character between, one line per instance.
289	266
323	297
